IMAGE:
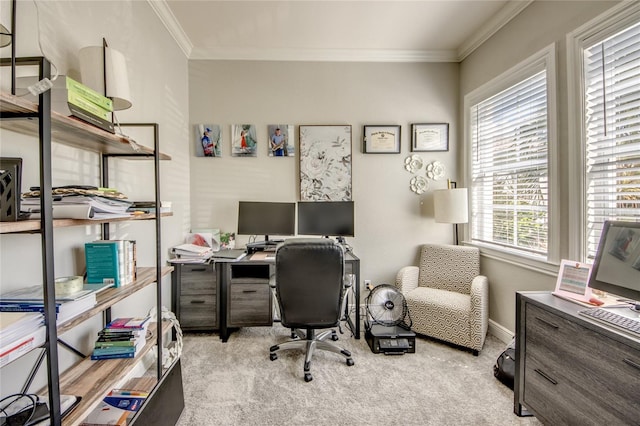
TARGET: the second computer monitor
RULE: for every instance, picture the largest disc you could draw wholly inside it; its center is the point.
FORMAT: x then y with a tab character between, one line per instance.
326	218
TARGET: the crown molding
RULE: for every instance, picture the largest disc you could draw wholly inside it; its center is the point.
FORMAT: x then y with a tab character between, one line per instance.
508	12
325	55
499	20
171	24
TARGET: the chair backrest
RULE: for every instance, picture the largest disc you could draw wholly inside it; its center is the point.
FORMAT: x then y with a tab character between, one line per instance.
449	267
309	282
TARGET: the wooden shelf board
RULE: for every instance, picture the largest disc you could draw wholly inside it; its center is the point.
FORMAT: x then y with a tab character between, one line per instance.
111	296
68	130
34	225
92	380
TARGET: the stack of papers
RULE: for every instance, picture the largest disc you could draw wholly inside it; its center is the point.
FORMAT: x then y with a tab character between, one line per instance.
80	207
191	253
20	332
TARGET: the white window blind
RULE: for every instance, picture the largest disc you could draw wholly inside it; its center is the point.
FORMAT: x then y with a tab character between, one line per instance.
509	168
612	132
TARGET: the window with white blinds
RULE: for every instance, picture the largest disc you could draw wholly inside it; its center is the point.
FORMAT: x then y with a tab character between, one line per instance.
509	168
612	132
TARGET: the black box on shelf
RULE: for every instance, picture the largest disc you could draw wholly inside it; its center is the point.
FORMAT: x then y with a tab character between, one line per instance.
10	179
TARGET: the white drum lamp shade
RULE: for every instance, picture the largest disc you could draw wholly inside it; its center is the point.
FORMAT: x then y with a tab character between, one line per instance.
451	206
97	64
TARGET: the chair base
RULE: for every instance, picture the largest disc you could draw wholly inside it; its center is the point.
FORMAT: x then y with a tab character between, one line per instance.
308	341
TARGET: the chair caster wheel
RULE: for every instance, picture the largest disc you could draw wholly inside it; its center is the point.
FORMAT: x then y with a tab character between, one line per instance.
334	337
308	377
273	357
350	362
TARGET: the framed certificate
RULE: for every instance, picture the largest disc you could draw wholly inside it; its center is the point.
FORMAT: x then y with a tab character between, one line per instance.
430	137
381	140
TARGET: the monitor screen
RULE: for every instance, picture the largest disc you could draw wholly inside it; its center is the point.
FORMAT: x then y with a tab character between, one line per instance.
326	218
616	268
266	218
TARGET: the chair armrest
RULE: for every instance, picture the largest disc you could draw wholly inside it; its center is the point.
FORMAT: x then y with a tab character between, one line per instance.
479	309
407	279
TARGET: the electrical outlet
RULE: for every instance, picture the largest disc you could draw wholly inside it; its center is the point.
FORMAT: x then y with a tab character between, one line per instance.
368	285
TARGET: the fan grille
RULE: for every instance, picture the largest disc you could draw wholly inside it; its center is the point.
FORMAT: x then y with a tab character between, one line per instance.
386	306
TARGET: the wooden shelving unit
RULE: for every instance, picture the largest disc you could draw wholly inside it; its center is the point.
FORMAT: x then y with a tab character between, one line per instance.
91	380
34	225
68	130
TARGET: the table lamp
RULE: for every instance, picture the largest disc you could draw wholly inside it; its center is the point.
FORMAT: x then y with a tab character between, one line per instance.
105	70
451	206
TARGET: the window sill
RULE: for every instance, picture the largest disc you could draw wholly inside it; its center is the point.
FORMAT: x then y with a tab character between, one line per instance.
532	263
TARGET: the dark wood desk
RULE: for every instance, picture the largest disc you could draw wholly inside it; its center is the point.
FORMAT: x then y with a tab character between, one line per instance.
237	293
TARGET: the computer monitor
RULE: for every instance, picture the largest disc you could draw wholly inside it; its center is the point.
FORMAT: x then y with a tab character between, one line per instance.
326	218
616	268
266	218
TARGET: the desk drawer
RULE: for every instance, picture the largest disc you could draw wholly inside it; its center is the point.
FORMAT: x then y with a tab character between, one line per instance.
198	312
198	279
249	304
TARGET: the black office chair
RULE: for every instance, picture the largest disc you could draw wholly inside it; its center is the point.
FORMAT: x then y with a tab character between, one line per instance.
310	284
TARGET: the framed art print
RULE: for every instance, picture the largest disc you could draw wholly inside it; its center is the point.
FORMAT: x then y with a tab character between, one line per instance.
430	137
208	138
280	140
325	163
244	142
381	140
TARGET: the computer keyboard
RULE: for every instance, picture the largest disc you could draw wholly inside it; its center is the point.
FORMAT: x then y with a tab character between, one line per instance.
625	323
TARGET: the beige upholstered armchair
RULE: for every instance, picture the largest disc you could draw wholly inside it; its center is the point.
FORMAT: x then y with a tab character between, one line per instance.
447	297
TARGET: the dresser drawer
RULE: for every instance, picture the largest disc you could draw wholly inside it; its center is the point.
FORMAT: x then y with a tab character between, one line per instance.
249	304
585	364
198	311
198	279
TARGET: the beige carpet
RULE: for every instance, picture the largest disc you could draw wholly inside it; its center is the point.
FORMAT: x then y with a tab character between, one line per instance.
235	383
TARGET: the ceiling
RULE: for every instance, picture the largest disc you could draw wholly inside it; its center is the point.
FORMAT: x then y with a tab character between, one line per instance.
326	30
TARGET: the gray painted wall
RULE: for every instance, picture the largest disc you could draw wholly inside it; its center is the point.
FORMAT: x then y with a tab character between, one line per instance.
391	221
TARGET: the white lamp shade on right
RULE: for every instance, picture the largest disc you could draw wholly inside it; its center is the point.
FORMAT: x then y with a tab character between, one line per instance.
94	73
451	206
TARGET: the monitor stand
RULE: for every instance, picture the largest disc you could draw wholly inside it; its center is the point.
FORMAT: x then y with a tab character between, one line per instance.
266	245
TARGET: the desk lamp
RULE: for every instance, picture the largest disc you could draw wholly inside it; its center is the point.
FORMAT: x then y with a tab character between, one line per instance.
451	206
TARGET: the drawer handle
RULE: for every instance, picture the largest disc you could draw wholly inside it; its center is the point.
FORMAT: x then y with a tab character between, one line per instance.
545	375
249	291
632	363
199	269
197	301
550	324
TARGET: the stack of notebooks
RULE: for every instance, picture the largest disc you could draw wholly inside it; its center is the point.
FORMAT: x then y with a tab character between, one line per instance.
121	338
31	299
19	333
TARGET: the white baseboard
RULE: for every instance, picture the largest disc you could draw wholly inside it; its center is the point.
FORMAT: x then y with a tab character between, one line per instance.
502	333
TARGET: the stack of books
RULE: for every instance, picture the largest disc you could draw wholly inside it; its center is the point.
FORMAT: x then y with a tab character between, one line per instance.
117	408
31	299
111	261
121	338
72	98
191	253
19	333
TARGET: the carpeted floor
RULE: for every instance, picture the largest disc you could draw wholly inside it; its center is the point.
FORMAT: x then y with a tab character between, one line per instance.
235	383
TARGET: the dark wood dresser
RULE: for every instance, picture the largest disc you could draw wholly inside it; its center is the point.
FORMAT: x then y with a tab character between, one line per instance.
573	370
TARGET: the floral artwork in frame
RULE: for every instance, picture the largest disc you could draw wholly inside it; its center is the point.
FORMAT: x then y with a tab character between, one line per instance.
208	140
325	163
244	142
280	140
